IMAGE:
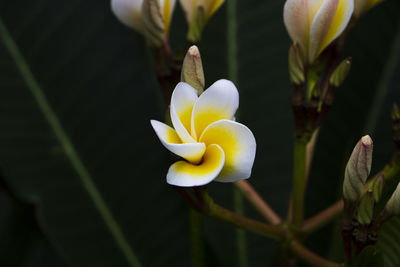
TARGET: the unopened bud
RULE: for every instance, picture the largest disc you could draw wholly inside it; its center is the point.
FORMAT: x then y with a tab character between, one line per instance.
395	114
366	208
340	73
192	69
153	23
393	205
357	169
296	66
377	187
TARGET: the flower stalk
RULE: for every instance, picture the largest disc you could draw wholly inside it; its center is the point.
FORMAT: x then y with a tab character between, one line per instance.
299	180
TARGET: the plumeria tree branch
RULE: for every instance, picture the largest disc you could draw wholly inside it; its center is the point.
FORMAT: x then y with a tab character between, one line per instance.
324	217
212	209
258	202
310	257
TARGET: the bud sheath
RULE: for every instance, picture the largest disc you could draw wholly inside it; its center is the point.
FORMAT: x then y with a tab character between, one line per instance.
357	169
192	69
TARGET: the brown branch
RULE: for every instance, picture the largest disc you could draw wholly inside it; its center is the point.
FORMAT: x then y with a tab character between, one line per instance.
310	257
321	219
256	200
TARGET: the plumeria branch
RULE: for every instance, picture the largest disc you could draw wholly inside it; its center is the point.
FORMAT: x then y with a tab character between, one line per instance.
258	202
321	219
310	257
276	232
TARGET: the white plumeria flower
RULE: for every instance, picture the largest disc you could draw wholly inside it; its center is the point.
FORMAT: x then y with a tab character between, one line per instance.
129	12
191	8
362	6
213	145
314	24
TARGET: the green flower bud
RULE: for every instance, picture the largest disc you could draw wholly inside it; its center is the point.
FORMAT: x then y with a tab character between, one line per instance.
377	188
393	205
296	66
366	208
340	73
357	169
192	69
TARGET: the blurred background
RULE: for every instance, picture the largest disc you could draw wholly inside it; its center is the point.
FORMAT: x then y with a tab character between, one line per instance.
78	90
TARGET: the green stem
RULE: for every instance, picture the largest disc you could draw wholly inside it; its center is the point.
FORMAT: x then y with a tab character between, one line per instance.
240	233
196	238
276	232
299	180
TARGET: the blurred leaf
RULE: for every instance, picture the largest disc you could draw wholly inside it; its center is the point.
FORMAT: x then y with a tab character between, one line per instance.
370	256
22	242
76	101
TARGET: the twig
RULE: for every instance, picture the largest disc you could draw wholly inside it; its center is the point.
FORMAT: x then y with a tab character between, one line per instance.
310	257
256	200
314	223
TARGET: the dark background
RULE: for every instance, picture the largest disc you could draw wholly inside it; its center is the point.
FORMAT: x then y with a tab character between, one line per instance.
98	80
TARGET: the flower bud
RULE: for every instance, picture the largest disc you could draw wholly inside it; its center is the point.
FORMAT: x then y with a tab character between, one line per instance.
362	6
377	187
366	208
357	169
296	66
198	12
395	115
340	73
149	17
192	69
393	205
315	24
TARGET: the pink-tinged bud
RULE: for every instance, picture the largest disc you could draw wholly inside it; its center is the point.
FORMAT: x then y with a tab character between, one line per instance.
357	169
314	24
192	69
362	6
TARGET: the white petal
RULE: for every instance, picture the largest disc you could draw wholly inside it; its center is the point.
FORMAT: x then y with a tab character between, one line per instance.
219	101
239	146
296	19
182	102
192	152
185	174
129	13
330	21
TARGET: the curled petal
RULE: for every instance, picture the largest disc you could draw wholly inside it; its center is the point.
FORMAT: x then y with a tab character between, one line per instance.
182	102
186	174
193	152
320	27
212	6
167	7
239	145
296	19
219	101
329	22
129	13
